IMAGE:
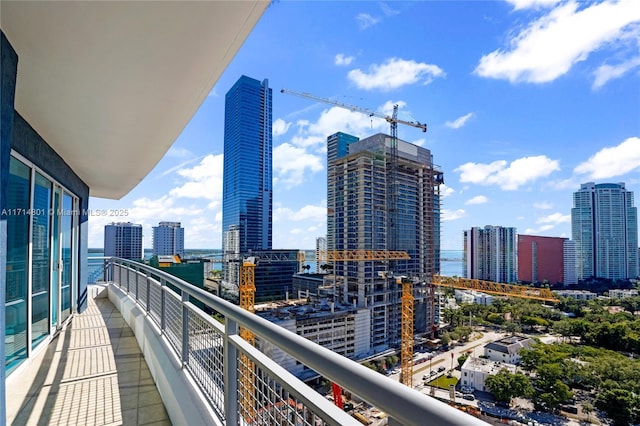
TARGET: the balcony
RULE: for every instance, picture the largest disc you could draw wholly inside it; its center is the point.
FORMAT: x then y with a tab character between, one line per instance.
204	372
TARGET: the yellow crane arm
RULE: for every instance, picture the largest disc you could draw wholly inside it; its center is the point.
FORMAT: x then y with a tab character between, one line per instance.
499	289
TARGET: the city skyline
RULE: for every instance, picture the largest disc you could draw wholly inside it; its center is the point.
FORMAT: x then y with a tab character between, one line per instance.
514	140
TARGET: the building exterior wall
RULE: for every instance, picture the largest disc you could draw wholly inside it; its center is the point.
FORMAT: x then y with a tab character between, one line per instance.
247	182
604	225
617	293
123	240
540	259
490	254
320	253
358	192
341	329
274	274
577	294
168	239
475	371
570	268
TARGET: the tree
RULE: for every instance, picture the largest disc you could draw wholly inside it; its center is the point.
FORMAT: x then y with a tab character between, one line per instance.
505	385
587	408
620	405
555	394
462	358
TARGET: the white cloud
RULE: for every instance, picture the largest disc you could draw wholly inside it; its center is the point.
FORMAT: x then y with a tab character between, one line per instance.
365	21
550	46
290	164
555	218
341	59
543	205
533	231
280	127
613	161
177	167
448	215
203	180
529	4
446	191
520	172
387	10
420	142
394	73
606	72
479	199
316	213
178	152
460	121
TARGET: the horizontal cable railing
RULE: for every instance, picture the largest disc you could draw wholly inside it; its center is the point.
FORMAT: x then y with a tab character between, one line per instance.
243	385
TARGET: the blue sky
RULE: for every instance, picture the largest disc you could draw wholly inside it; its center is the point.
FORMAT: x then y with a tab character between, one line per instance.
524	99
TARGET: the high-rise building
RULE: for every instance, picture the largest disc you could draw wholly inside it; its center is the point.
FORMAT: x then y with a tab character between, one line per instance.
247	194
123	239
490	254
168	239
320	253
604	225
542	259
357	196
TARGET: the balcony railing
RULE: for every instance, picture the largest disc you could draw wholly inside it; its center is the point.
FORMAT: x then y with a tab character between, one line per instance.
244	386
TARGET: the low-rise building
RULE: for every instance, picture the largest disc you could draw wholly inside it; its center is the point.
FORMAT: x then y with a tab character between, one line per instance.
472	296
507	349
577	294
476	370
344	329
618	293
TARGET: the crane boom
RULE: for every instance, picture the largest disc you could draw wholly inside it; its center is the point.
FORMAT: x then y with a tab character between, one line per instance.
389	118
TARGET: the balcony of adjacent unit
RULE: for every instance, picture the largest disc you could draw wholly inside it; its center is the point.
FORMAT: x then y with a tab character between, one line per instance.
152	348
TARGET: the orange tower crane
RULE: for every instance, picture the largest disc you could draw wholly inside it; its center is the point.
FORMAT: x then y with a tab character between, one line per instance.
247	291
500	289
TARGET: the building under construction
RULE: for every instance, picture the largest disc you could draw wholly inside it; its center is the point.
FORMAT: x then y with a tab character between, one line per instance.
360	185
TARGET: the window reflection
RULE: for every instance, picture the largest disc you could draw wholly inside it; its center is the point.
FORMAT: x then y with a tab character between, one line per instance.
17	257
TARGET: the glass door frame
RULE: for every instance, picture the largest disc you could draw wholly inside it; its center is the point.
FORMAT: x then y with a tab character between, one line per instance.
75	244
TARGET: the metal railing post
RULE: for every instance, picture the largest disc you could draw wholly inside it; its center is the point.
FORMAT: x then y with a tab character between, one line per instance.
120	275
163	321
148	275
128	281
185	328
230	371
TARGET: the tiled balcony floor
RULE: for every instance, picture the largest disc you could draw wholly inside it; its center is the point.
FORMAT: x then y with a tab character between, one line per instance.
93	373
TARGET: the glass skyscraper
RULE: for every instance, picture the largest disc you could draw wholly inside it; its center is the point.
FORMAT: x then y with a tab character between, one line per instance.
247	193
604	226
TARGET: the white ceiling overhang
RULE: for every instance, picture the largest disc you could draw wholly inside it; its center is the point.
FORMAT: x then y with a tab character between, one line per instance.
110	85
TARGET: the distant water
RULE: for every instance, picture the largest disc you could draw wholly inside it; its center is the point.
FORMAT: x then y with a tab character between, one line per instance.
451	263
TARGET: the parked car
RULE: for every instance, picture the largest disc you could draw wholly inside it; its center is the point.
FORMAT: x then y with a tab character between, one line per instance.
441	368
468	397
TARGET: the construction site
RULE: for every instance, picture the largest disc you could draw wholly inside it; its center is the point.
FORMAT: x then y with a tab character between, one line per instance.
381	260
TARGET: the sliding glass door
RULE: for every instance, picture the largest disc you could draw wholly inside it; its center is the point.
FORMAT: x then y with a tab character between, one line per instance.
68	259
40	258
17	278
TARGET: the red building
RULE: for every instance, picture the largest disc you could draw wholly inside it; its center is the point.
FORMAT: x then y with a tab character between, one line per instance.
540	259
